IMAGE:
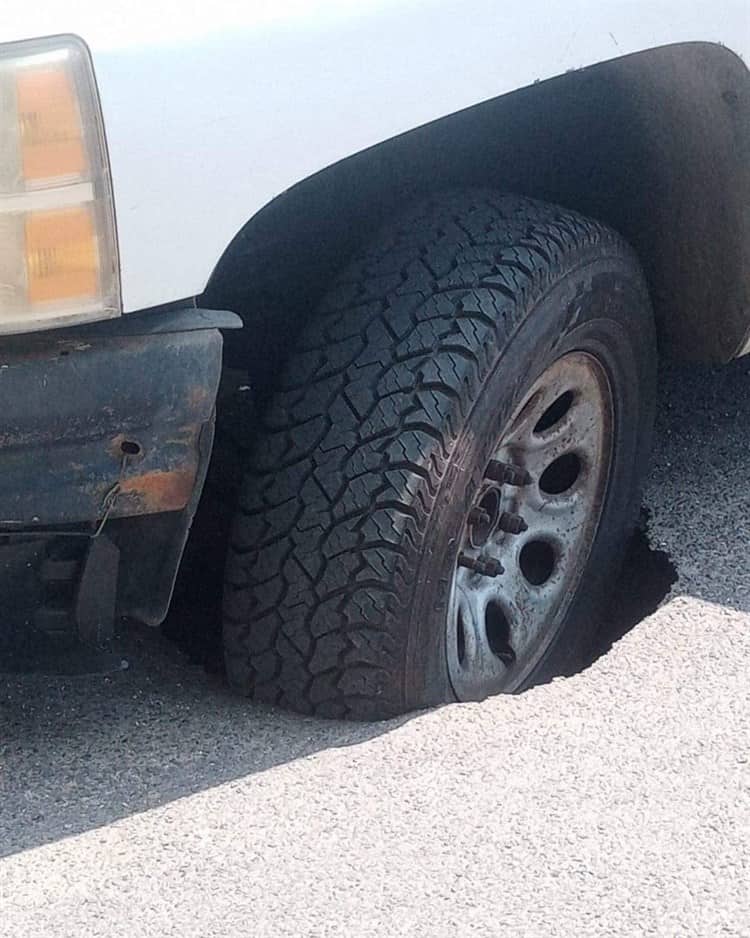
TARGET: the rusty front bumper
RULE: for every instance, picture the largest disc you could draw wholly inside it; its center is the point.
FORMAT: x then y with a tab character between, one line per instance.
105	438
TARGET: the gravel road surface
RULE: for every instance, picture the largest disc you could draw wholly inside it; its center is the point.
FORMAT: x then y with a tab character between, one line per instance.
615	802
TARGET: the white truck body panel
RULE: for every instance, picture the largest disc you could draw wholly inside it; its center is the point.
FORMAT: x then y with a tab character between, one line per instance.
213	108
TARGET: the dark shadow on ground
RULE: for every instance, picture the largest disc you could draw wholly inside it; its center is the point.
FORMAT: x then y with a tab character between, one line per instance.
81	752
77	753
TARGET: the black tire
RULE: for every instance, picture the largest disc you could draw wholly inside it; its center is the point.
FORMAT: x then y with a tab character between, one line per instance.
348	521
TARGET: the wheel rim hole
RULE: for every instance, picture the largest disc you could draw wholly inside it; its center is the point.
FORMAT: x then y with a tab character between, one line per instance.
555	412
537	562
560	475
527	408
461	639
497	628
489	506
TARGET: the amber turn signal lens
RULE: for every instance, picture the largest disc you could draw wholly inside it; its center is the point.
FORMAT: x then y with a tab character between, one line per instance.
61	256
51	136
58	247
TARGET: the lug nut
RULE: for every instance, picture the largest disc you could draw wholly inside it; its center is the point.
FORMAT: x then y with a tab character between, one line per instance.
505	474
491	567
485	566
511	523
479	516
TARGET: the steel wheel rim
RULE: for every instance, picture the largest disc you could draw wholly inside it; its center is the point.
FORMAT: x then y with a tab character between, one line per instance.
529	532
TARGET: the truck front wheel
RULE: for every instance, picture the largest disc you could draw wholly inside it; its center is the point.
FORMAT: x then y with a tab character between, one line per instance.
446	476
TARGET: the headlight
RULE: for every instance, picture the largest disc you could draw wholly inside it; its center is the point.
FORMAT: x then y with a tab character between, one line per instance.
58	251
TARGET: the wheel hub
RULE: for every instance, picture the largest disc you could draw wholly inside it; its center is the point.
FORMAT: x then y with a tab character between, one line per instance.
528	535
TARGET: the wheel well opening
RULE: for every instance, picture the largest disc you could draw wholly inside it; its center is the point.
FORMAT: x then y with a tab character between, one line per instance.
656	144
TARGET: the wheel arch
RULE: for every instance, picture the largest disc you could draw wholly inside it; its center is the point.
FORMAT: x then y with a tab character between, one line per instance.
656	144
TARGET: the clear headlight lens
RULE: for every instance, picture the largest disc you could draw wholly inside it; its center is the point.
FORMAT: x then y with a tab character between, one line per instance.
58	251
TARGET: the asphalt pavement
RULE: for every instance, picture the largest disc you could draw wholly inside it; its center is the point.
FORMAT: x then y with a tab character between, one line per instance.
149	801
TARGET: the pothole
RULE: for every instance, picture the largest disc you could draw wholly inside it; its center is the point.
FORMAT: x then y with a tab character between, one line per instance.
647	576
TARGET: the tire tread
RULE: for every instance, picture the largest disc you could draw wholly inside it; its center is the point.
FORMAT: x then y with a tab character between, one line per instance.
349	458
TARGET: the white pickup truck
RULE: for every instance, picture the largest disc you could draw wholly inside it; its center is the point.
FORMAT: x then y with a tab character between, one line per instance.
454	235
